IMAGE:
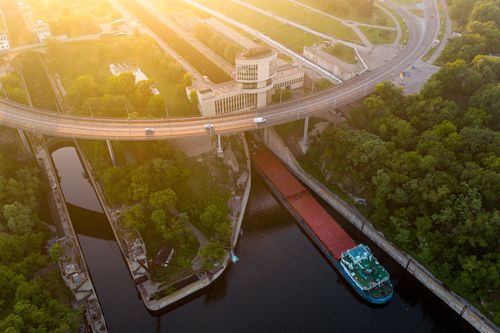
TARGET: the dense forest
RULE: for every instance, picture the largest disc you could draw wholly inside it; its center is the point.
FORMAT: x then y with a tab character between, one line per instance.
163	192
33	297
93	90
429	164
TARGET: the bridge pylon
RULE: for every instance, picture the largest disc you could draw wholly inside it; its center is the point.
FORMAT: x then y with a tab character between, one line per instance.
111	152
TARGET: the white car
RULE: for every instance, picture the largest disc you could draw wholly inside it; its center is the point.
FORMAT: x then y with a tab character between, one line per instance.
259	120
149	130
208	126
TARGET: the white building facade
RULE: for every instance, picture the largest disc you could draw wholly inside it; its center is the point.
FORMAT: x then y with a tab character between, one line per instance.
256	76
4	41
42	31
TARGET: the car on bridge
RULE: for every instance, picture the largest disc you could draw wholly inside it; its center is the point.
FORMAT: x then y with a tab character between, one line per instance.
149	130
259	120
208	126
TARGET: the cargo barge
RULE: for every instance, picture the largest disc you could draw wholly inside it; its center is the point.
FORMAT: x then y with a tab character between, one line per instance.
355	262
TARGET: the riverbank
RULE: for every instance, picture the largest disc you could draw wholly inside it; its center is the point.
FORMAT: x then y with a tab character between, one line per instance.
457	303
139	271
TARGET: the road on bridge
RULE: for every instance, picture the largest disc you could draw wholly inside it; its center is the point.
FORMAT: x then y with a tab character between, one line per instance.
51	123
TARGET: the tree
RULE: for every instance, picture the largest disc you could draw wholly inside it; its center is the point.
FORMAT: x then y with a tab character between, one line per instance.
56	252
134	217
20	219
159	218
212	215
488	99
165	199
122	84
156	106
142	94
211	255
83	88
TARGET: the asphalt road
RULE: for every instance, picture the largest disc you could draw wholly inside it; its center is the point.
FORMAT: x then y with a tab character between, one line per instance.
51	123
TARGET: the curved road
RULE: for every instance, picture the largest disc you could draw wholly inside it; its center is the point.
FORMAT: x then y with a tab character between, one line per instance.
50	123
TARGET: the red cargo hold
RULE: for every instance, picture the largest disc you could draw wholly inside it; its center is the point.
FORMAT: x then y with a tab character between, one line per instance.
326	229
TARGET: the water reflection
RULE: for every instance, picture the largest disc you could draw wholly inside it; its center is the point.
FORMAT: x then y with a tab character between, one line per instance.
281	283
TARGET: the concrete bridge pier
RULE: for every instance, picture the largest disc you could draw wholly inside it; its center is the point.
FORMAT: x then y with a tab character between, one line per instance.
220	151
26	145
111	152
304	143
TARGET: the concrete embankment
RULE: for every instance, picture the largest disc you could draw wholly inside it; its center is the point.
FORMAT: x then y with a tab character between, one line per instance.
73	266
203	279
465	309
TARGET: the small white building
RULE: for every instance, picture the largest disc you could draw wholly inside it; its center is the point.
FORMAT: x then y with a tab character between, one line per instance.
4	41
257	75
41	31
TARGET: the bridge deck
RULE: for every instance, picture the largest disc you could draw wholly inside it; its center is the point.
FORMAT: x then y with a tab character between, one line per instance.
303	204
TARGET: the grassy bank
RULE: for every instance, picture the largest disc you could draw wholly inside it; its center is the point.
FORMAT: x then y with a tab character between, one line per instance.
198	60
344	53
379	36
287	35
378	16
308	18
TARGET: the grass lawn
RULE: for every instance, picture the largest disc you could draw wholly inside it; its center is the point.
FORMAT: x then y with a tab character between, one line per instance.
308	18
404	29
344	53
417	12
71	60
379	17
287	35
379	36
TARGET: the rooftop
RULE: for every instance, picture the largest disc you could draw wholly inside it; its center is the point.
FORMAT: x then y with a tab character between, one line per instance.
255	53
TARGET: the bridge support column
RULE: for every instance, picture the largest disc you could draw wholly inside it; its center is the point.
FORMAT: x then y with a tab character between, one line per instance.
111	152
220	151
304	143
26	145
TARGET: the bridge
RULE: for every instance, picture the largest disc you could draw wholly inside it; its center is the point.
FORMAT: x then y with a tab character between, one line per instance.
44	122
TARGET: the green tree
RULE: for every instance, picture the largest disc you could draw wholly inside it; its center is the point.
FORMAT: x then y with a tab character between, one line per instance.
122	84
20	219
211	255
56	252
134	218
164	199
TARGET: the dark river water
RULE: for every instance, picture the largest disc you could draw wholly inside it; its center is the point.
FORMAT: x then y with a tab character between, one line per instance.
282	283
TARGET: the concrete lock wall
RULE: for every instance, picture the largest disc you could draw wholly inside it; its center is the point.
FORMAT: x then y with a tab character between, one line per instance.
466	310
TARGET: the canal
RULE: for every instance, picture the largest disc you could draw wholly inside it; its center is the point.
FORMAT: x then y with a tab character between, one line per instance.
281	283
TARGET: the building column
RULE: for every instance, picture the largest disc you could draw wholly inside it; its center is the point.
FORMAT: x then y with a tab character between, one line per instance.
24	141
220	152
111	152
304	143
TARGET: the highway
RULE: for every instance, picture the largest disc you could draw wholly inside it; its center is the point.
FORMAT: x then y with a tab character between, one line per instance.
51	123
